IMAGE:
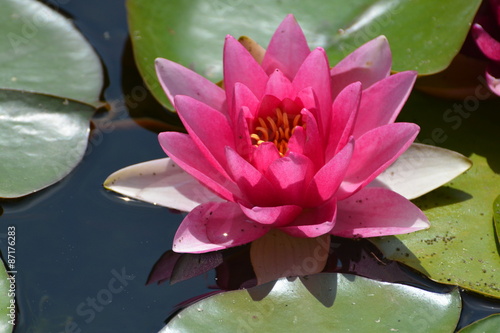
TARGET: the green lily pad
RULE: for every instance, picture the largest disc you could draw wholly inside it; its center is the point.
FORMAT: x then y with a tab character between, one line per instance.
424	35
7	301
334	303
42	138
50	82
496	216
42	52
460	247
489	324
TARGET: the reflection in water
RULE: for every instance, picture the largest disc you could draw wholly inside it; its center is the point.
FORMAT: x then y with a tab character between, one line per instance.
234	269
352	256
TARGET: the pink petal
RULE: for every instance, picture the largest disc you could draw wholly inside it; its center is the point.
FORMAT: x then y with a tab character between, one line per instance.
327	180
368	64
178	80
276	216
307	99
289	175
382	102
297	142
279	86
265	154
377	212
374	152
184	152
345	110
313	222
267	107
313	145
226	224
492	79
243	97
315	73
215	226
243	142
240	66
287	49
487	44
256	188
209	129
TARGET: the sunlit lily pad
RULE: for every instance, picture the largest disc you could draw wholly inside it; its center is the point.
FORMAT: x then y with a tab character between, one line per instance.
42	139
334	302
42	52
424	35
7	302
460	247
489	324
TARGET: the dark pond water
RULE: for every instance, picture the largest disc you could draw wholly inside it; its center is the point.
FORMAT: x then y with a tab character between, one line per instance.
84	254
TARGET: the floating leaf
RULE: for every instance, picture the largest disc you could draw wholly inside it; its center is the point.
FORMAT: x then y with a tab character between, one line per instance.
489	324
42	139
424	35
42	52
459	80
496	216
460	246
334	302
8	307
50	81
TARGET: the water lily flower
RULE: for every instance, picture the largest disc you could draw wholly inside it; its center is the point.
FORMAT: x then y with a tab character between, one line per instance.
486	34
288	144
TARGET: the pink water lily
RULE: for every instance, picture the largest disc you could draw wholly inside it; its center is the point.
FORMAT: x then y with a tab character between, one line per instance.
290	144
486	34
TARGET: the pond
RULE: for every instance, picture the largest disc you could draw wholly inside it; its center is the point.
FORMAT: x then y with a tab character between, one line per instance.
73	238
84	254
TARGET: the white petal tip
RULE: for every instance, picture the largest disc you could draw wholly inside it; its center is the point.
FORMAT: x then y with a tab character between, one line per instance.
421	169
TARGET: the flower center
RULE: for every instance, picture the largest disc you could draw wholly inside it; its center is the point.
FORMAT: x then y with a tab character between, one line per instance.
277	129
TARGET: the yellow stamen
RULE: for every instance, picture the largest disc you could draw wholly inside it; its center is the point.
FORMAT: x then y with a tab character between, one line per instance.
255	137
264	131
295	121
277	129
285	120
262	123
272	123
279	114
287	133
281	134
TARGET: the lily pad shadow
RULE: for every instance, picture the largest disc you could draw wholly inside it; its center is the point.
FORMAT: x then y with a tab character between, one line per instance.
260	292
417	274
442	196
324	290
